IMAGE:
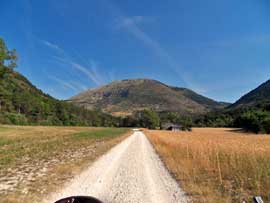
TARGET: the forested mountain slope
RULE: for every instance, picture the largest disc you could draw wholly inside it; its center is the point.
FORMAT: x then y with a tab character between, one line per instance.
22	103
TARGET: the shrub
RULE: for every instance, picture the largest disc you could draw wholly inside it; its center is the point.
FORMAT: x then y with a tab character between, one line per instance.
13	118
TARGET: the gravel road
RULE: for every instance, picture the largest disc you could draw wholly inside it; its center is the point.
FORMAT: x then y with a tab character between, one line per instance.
131	172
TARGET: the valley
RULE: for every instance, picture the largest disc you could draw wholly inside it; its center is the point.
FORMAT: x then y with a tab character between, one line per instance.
185	147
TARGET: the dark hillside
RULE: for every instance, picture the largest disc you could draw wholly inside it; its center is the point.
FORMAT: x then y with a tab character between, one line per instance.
251	112
22	103
259	95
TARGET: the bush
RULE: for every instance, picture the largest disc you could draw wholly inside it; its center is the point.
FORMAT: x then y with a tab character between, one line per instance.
255	121
148	119
13	118
266	124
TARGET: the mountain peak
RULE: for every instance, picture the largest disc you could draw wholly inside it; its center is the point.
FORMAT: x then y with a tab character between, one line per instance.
124	97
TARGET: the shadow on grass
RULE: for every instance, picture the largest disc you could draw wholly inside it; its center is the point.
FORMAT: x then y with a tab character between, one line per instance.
237	130
242	131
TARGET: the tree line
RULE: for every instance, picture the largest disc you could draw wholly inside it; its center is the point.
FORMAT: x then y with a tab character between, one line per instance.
251	118
148	118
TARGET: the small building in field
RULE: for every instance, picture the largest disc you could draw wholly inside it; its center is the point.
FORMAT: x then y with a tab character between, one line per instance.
174	128
171	127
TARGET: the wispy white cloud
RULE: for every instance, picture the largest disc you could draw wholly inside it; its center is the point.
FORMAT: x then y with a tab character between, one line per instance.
133	20
52	45
132	26
153	45
63	83
79	86
90	70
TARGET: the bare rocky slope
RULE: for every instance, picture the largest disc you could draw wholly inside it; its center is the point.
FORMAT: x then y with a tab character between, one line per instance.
127	96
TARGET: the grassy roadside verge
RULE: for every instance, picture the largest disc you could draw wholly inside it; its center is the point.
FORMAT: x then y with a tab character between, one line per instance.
36	160
216	165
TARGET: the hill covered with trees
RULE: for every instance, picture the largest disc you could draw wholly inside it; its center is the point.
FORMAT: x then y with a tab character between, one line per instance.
257	96
251	112
23	103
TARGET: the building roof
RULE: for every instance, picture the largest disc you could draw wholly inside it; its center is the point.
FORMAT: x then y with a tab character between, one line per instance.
170	125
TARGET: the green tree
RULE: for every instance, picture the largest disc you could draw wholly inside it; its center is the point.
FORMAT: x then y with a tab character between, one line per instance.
8	58
3	52
148	119
266	124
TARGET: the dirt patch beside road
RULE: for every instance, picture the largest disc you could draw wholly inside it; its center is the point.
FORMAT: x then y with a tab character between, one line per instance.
36	160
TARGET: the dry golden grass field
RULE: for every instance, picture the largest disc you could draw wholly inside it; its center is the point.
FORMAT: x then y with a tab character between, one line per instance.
216	165
36	160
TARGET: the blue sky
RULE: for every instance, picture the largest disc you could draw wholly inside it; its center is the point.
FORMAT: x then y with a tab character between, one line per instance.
220	49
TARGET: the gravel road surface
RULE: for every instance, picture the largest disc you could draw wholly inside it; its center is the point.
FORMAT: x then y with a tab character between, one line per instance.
131	172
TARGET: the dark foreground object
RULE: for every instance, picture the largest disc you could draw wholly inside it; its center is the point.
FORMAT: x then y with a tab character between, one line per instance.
79	199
